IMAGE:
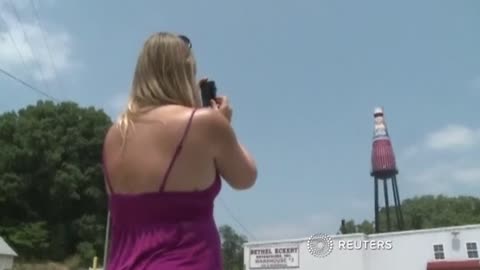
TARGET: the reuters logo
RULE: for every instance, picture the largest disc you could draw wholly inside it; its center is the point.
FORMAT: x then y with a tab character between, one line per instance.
320	245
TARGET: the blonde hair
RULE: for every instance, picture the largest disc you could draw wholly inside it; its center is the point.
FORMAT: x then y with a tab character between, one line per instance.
165	74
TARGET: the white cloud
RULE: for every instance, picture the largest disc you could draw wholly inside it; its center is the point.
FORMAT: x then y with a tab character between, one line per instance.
317	223
446	177
443	162
30	40
453	137
26	4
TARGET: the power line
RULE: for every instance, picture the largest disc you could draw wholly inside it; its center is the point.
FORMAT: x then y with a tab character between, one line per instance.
235	219
13	41
35	11
27	40
27	84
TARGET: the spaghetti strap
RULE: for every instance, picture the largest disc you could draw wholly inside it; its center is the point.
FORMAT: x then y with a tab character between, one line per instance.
177	152
105	171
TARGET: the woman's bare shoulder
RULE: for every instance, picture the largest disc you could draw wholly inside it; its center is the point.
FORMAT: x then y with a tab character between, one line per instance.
212	120
113	134
205	120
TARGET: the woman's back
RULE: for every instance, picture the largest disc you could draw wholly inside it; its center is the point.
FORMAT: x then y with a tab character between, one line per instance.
161	218
150	147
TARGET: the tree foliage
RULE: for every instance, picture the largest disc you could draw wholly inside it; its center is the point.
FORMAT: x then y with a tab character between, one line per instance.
425	212
52	198
232	248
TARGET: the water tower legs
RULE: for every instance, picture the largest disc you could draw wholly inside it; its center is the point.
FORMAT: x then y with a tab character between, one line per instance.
397	206
387	207
377	223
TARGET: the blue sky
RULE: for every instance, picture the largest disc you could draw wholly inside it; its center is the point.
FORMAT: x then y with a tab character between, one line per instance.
303	77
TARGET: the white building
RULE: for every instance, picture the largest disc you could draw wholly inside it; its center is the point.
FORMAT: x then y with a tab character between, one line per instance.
6	255
451	248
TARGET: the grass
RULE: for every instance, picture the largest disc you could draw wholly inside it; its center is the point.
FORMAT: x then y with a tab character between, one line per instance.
72	263
41	266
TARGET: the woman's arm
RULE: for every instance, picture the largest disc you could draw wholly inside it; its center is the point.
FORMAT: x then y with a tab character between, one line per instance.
235	164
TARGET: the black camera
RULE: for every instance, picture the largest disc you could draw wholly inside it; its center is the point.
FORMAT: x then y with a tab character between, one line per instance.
209	92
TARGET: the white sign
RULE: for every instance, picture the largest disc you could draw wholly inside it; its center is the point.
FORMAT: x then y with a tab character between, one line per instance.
278	257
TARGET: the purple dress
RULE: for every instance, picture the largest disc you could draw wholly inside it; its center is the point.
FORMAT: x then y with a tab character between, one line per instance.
164	230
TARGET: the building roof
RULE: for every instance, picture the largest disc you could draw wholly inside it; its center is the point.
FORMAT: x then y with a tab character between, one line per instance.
5	249
424	231
354	235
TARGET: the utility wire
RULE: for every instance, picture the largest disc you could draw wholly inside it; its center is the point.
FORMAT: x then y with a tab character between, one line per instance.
27	40
13	41
27	84
35	11
235	219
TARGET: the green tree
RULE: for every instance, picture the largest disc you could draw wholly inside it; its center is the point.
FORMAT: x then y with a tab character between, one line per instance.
52	196
438	211
232	248
366	227
348	227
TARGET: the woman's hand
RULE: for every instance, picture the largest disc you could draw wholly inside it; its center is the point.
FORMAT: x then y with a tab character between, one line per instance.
221	104
202	80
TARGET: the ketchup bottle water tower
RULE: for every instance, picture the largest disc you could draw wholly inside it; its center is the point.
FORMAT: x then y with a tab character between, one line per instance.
384	168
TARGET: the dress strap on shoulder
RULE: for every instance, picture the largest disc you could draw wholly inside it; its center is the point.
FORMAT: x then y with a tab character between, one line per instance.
177	151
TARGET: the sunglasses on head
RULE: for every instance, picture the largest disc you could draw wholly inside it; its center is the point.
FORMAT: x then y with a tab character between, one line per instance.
186	40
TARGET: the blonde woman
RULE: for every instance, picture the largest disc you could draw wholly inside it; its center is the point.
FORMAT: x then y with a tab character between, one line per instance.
163	164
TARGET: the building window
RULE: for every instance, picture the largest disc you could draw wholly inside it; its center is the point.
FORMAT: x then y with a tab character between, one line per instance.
472	250
438	252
